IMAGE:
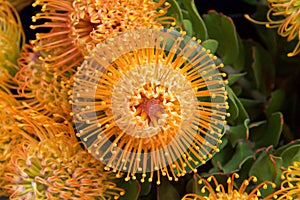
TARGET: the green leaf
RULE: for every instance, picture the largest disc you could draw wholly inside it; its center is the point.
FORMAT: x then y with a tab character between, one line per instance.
263	69
197	22
268	132
222	157
211	44
250	103
145	188
237	89
279	151
267	167
276	101
253	107
242	153
222	29
233	107
239	63
233	77
166	190
185	13
175	12
256	2
239	132
248	57
188	27
132	189
192	186
236	109
290	155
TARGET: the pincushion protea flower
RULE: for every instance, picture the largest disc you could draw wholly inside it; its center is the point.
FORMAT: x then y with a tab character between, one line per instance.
41	90
17	125
76	26
58	168
12	38
285	16
217	191
290	186
150	100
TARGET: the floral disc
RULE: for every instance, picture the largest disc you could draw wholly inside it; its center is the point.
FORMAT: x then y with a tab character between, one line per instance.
150	100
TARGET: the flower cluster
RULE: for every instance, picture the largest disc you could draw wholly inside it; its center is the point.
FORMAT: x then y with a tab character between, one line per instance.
57	168
113	93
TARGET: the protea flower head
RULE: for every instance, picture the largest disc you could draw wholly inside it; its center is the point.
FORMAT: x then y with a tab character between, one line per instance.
150	100
217	191
285	16
290	186
12	38
40	89
18	124
76	26
58	168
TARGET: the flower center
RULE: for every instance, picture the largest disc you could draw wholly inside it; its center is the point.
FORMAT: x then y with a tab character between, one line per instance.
145	108
148	111
151	104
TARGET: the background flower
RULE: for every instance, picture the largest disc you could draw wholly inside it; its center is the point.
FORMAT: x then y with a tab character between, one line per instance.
285	16
217	191
76	26
17	126
57	168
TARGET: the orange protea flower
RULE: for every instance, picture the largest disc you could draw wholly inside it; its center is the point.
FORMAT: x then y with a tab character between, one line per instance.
76	26
17	125
216	191
57	168
41	89
290	186
150	100
284	15
12	38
